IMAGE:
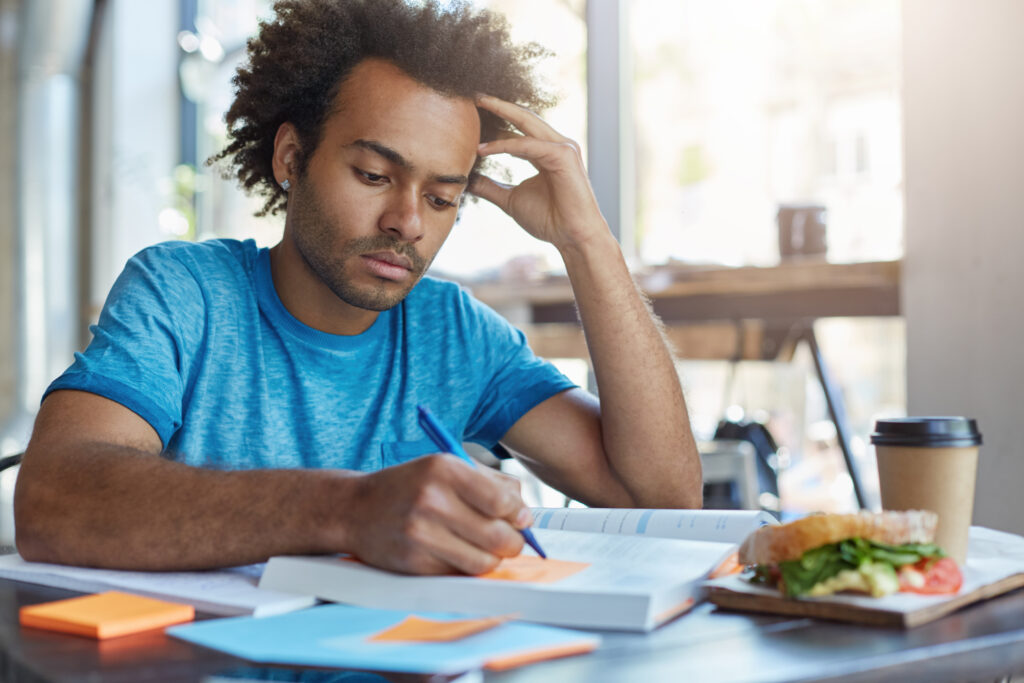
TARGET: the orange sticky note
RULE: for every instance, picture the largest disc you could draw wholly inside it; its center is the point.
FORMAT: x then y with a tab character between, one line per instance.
730	565
529	657
532	569
105	615
418	629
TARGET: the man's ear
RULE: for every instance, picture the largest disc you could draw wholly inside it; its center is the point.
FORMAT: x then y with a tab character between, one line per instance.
286	153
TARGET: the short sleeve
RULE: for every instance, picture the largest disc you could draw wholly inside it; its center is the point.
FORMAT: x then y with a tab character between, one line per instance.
140	350
517	379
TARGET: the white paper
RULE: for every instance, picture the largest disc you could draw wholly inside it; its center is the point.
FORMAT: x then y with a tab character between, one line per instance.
228	592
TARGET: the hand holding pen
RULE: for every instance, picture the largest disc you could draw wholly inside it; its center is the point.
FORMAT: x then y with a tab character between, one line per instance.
443	440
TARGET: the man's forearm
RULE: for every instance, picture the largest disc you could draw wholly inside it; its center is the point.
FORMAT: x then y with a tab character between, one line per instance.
115	507
645	428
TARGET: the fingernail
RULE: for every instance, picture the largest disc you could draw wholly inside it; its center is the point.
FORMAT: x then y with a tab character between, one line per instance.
524	518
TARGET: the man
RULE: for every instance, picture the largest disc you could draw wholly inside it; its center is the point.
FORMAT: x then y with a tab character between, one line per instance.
238	403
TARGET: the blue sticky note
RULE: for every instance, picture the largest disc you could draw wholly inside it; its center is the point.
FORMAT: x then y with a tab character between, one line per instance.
338	636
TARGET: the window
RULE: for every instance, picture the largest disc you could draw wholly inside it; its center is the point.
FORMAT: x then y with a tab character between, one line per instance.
486	242
212	43
741	106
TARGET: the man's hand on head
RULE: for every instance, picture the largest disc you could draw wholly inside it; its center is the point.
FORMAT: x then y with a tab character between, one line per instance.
558	204
647	458
435	515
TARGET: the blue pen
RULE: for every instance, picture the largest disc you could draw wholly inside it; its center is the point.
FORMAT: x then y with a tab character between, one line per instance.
443	440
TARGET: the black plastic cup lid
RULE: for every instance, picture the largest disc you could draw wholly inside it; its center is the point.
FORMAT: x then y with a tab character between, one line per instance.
927	432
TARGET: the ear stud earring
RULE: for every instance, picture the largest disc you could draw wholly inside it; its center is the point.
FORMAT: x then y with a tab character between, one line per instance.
286	184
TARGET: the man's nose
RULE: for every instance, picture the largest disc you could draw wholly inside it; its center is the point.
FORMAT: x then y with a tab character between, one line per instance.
403	218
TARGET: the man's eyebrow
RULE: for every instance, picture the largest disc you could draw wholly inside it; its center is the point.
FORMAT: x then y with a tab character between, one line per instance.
394	157
383	150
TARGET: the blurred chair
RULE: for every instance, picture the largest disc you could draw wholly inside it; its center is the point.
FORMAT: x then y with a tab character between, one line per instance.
10	461
730	475
7	502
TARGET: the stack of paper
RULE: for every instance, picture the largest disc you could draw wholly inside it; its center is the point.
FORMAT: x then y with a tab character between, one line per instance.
228	592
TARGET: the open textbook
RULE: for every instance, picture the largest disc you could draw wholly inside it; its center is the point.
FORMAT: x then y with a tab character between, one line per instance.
607	569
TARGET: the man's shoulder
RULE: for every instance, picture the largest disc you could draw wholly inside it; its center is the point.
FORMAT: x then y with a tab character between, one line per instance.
212	263
186	275
216	252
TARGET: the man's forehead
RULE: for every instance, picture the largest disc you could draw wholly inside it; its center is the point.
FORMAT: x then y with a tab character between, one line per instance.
378	82
382	105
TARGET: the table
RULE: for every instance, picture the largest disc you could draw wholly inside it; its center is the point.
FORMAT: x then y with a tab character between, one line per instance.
715	312
984	642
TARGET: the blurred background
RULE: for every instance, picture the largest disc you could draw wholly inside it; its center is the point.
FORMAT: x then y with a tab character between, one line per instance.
720	134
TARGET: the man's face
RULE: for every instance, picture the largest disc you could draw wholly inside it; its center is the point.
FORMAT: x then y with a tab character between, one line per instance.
381	191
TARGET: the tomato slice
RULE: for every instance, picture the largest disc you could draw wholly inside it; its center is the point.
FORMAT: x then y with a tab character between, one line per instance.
939	576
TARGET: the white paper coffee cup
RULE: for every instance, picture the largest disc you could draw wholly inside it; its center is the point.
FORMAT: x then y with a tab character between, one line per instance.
931	463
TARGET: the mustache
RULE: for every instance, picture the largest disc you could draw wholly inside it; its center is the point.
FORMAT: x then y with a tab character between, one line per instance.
364	245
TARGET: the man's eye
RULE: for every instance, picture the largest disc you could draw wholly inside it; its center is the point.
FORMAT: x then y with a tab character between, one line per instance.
440	202
373	178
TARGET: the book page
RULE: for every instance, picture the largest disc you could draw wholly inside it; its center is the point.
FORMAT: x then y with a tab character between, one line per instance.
638	562
720	526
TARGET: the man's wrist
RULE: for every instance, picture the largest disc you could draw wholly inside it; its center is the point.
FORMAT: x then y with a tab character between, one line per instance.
333	503
598	248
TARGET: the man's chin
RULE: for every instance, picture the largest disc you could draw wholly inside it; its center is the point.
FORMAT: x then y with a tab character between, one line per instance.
381	298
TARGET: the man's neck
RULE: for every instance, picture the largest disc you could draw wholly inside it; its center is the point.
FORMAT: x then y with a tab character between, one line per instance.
309	299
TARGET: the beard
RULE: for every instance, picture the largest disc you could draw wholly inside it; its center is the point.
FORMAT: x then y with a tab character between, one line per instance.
329	257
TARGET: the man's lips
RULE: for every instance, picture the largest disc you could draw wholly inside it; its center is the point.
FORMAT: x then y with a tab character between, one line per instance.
392	258
388	265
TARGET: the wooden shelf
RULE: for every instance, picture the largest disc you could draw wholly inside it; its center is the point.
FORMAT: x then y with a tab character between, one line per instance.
712	312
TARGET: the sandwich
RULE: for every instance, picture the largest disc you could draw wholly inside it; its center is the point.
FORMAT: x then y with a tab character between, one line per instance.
873	553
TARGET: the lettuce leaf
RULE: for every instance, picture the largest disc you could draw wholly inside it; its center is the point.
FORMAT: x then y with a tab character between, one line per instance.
825	562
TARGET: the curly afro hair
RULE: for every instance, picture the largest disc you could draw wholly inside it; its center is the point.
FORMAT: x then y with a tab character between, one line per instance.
297	62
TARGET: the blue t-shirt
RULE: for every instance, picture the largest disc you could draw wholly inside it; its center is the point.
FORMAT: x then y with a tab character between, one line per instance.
194	339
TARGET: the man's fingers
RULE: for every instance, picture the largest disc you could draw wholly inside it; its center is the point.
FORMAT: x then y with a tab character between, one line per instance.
437	514
480	540
509	480
442	550
490	496
520	117
496	193
507	135
466	521
450	485
544	154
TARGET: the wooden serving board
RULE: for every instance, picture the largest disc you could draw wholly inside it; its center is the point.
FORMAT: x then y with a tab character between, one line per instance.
860	612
